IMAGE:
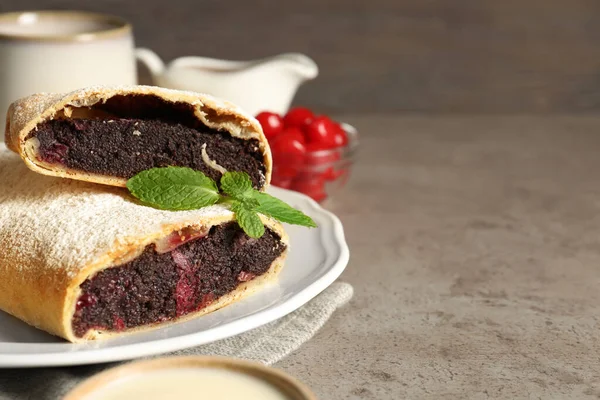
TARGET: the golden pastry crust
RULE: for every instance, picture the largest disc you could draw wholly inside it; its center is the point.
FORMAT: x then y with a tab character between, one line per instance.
24	115
55	233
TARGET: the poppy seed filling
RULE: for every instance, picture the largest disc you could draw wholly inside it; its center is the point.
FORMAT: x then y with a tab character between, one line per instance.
157	287
123	147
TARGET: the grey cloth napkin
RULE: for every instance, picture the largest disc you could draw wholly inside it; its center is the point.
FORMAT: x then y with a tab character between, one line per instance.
267	344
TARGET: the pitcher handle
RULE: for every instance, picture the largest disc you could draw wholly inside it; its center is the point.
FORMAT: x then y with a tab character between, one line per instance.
151	60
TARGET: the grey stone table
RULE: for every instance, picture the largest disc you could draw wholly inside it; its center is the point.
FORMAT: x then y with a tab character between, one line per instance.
475	258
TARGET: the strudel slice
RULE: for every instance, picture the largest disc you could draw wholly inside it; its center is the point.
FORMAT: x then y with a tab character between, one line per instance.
85	261
109	134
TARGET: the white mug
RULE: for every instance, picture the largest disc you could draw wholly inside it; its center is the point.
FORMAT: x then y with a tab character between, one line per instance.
60	51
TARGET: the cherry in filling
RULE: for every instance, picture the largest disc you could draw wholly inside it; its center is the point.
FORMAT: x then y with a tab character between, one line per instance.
160	286
140	133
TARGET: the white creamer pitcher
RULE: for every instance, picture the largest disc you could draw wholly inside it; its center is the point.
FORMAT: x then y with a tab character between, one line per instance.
268	84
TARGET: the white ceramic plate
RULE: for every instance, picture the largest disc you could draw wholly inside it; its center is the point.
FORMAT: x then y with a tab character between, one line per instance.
317	257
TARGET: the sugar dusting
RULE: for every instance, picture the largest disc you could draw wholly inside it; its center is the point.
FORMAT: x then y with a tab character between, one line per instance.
61	224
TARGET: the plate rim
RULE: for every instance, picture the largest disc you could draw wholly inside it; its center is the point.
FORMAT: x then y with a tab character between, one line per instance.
169	344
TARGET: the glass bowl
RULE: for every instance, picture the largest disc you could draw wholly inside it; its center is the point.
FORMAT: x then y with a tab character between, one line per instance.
318	174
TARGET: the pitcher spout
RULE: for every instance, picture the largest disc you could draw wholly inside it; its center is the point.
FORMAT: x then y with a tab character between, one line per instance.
299	64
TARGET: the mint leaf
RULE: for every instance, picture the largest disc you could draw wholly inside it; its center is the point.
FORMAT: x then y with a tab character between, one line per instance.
248	220
250	203
236	184
174	188
273	207
181	188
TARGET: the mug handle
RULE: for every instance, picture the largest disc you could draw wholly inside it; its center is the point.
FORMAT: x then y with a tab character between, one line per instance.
151	60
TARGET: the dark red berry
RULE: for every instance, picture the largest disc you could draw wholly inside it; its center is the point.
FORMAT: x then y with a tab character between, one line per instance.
118	324
282	181
55	154
205	300
316	147
288	153
289	147
329	174
340	139
300	117
85	300
271	123
295	133
322	131
317	154
318	162
282	174
314	188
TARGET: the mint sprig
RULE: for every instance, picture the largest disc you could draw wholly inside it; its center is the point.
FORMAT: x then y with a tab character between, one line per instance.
236	184
281	211
248	220
180	188
174	188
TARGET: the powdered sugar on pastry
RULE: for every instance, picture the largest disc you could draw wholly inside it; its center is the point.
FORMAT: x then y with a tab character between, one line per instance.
78	222
86	214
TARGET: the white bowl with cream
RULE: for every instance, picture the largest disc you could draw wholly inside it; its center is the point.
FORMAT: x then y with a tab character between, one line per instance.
189	377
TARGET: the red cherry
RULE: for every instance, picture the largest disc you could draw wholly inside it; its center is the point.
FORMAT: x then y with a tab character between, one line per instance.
118	323
313	147
271	123
205	300
330	174
85	300
293	132
334	174
314	188
322	130
298	116
318	162
339	137
282	174
288	153
278	181
317	154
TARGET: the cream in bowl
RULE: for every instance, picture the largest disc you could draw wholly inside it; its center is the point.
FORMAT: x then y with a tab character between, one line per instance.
188	377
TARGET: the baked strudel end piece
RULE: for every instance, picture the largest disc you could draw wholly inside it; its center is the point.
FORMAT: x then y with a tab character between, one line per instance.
108	134
85	261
